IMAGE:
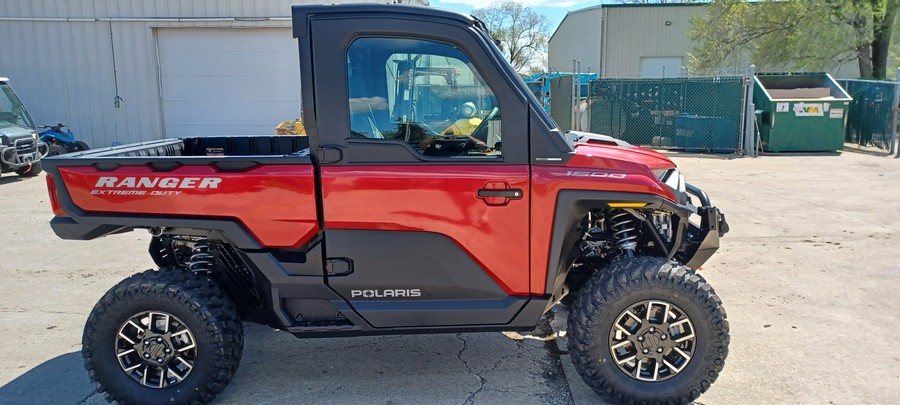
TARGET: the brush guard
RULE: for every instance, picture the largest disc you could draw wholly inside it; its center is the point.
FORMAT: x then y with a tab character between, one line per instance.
23	152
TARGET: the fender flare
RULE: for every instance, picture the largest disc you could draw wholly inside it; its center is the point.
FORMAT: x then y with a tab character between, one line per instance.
571	207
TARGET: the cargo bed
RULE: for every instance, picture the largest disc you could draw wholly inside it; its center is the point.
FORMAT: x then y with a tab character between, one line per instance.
208	146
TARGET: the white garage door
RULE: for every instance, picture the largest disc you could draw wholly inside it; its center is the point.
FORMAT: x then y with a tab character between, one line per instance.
662	66
221	81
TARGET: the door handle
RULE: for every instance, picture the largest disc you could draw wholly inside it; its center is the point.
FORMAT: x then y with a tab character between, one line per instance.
498	193
510	193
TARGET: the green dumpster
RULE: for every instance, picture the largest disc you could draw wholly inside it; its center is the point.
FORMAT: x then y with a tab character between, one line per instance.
802	112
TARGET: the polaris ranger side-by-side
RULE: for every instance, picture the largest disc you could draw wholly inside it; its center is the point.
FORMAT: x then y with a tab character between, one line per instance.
382	221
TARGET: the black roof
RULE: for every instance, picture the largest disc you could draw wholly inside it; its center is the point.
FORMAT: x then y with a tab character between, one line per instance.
303	12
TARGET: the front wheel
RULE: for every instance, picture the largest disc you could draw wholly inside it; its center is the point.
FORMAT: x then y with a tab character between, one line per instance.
646	330
162	337
30	171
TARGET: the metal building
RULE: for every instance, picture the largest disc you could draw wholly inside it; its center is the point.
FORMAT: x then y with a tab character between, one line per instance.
129	70
636	40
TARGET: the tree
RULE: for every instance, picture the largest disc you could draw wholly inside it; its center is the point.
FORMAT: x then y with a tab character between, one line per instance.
520	32
894	58
795	34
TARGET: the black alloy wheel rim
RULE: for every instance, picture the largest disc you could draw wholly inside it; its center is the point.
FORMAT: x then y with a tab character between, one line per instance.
652	340
156	349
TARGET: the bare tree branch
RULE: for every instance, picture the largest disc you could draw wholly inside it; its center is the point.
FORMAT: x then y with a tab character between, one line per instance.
521	33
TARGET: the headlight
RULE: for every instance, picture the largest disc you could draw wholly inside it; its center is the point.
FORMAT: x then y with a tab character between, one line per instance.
674	179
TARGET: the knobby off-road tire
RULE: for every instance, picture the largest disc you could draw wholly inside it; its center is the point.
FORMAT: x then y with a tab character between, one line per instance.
170	302
57	149
665	294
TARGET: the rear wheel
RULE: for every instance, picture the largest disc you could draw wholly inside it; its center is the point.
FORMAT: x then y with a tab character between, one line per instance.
30	171
163	337
646	330
56	150
79	146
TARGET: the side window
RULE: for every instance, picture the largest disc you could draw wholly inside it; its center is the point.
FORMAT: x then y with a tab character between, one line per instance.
422	92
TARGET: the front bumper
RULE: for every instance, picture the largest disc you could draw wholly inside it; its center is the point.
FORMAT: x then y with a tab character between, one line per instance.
702	240
23	152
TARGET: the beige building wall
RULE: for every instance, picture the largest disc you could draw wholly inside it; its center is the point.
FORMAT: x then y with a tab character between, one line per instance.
620	38
578	36
69	59
632	33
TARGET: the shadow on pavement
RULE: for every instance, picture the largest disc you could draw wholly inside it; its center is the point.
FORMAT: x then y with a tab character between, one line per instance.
278	368
61	380
10	179
477	368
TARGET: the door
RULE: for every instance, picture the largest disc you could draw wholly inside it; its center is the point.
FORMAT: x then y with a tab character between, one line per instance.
425	180
227	81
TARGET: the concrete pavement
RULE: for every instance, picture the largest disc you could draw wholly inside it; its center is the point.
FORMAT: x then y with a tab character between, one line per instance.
808	276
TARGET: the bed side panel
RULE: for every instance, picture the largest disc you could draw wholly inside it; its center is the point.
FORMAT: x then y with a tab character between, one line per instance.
276	203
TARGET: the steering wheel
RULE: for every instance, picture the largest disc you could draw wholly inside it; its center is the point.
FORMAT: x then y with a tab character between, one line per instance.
449	145
428	130
8	116
482	126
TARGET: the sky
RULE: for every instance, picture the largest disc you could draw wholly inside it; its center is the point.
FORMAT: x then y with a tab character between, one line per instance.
555	10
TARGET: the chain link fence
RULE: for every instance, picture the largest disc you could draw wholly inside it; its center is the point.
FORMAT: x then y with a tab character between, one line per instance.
700	114
871	119
705	114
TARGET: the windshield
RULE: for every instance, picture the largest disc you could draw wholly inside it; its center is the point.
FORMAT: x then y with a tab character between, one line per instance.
12	112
